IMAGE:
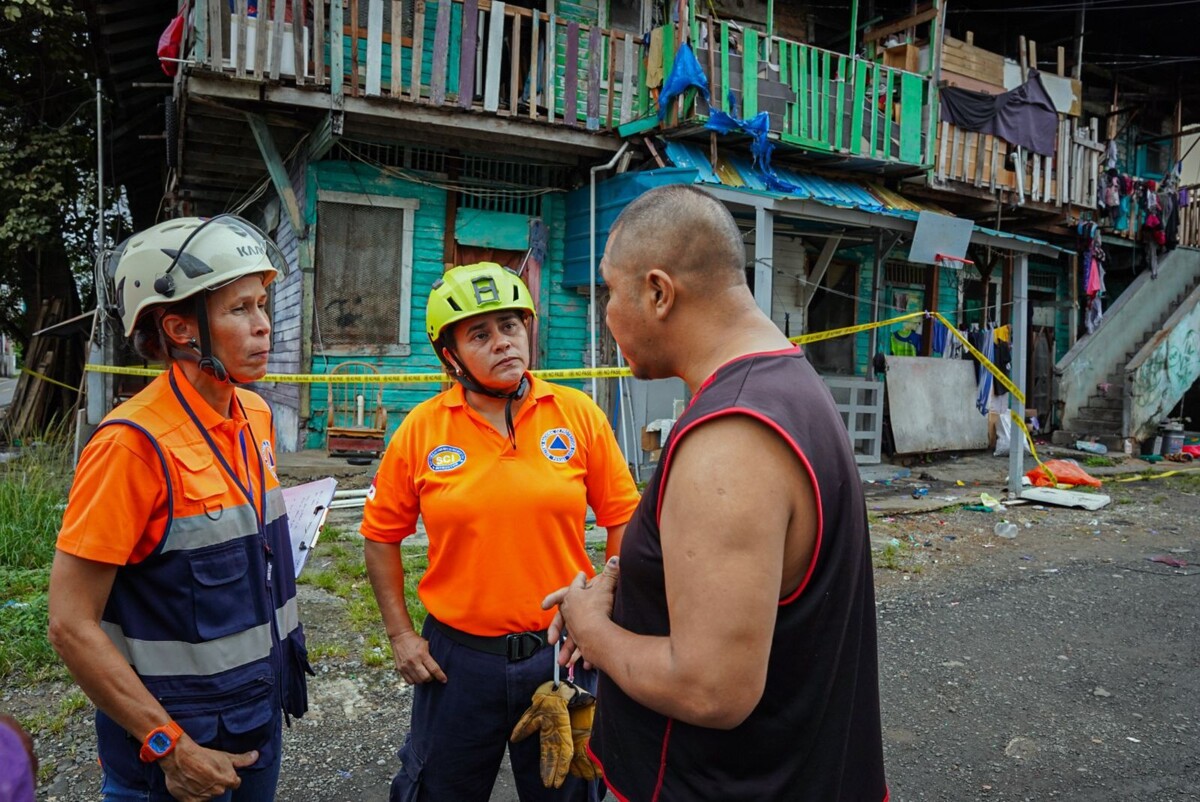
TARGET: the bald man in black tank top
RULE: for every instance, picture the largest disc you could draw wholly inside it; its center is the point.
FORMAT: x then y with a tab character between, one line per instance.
737	648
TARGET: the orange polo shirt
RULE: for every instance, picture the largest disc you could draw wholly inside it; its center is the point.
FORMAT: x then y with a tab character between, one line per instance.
505	526
117	508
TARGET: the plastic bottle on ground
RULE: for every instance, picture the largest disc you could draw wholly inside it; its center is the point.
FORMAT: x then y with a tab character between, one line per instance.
1006	530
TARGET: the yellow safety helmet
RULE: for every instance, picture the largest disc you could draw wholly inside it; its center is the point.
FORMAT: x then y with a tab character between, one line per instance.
469	290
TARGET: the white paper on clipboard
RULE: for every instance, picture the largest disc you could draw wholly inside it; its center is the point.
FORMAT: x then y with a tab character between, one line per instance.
307	505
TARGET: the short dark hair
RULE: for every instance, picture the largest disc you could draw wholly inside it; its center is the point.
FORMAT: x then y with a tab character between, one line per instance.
148	338
681	228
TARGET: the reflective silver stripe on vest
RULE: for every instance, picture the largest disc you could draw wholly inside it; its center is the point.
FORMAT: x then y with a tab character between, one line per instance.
275	506
172	658
198	531
287	618
159	658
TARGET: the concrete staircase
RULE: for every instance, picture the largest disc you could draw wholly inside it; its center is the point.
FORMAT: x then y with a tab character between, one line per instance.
1092	375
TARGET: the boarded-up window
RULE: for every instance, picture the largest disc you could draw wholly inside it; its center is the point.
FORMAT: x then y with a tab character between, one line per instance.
364	272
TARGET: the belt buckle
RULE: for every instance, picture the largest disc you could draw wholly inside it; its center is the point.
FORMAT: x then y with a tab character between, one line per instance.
523	645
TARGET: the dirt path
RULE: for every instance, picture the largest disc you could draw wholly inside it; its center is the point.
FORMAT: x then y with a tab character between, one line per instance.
1062	664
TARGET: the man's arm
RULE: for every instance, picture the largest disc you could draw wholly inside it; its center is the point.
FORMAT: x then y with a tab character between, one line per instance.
79	589
385	568
732	493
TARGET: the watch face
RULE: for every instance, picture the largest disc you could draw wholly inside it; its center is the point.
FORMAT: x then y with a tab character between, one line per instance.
159	743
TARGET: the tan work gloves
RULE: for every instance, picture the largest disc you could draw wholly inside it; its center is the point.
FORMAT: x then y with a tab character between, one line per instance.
563	717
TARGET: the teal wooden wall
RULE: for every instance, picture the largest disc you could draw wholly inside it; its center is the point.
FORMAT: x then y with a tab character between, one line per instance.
562	330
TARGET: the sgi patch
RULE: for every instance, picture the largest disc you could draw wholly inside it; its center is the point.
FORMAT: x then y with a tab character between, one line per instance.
446	458
558	445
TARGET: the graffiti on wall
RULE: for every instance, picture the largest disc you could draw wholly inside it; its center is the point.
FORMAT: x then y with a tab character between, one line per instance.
1166	374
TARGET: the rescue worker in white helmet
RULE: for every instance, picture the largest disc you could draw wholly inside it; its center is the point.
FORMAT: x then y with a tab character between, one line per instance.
172	594
501	468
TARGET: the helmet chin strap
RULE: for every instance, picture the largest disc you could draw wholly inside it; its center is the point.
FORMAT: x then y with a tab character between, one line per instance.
471	383
205	358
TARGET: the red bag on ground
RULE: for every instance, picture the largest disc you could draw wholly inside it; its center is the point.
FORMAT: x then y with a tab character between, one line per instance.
1066	472
168	44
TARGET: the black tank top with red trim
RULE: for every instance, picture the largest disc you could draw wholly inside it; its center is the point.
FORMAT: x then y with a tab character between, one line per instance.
815	734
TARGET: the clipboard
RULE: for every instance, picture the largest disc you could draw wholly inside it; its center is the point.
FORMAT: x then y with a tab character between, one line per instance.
307	505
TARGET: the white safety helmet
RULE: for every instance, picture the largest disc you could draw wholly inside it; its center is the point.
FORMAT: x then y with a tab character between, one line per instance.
177	259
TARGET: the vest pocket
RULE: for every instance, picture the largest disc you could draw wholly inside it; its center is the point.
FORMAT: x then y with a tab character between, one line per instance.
198	478
221	597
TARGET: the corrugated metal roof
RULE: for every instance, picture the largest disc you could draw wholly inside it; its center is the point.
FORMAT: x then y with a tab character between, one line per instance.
737	171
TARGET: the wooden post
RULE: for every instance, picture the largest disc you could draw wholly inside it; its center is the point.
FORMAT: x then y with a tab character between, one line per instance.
300	57
238	24
440	66
396	86
337	69
261	24
277	16
374	47
514	66
537	69
853	27
466	54
1023	58
495	44
353	48
418	40
1062	61
319	41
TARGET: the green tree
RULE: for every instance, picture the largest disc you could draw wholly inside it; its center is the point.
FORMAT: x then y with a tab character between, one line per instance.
47	163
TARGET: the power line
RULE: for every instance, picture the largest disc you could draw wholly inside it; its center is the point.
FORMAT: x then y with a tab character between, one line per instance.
1094	6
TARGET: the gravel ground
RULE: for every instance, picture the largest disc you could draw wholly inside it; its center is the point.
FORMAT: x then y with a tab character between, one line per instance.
1062	664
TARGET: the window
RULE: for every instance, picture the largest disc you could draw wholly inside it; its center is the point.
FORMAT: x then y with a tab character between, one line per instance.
364	269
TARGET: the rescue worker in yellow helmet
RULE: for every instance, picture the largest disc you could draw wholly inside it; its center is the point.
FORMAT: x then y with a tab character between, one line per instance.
501	468
172	595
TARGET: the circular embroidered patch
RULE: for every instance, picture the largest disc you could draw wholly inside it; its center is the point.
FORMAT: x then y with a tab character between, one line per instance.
558	445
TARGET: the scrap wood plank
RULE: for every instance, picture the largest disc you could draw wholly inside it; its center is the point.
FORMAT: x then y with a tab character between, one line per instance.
418	55
593	90
495	45
261	37
374	47
466	54
277	16
571	84
319	41
397	52
441	54
298	29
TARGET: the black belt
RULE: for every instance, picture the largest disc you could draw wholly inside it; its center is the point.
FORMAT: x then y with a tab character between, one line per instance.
516	647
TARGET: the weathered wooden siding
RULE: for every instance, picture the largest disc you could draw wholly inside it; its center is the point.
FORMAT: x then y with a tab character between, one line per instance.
562	332
285	337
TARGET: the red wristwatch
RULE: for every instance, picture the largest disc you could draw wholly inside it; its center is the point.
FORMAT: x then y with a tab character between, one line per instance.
160	742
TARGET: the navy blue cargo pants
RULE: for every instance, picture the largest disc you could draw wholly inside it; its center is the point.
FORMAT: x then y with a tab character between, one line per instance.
460	729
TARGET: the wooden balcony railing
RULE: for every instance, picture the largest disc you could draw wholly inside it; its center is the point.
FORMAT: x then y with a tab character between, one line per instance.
816	99
469	54
1068	178
477	55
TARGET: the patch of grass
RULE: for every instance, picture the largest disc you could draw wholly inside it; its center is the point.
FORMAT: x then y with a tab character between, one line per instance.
895	556
1099	462
1124	501
1159	499
45	722
345	576
326	651
33	491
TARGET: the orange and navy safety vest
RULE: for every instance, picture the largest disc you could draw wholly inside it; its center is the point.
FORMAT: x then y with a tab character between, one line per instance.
208	619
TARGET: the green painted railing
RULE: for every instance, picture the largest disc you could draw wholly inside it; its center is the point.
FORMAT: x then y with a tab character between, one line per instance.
817	100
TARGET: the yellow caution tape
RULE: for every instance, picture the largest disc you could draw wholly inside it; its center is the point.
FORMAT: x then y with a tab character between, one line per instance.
580	373
983	360
382	378
1142	477
46	378
818	336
